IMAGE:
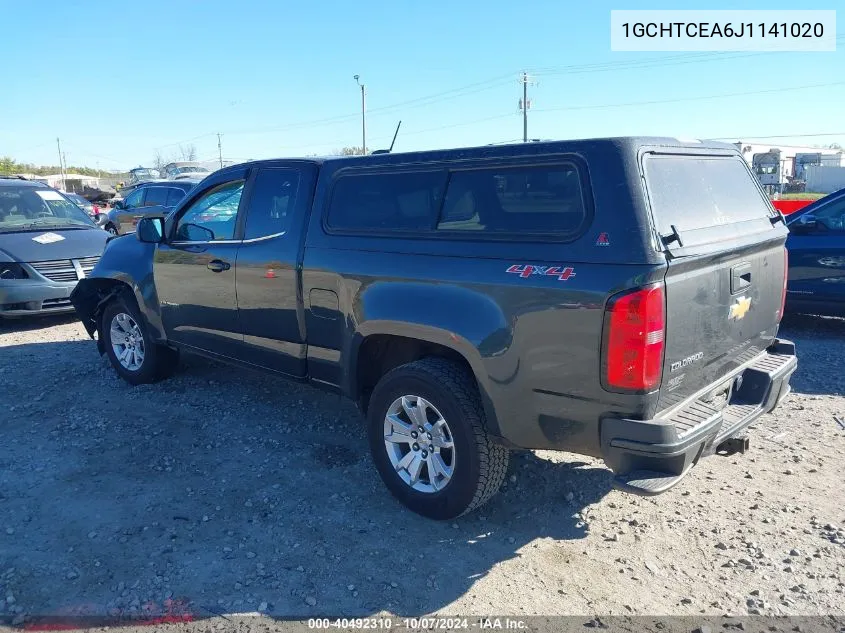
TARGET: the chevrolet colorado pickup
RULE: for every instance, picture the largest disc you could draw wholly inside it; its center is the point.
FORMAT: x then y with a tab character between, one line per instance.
618	298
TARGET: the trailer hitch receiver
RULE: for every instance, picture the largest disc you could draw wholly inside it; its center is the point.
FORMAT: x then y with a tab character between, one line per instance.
732	446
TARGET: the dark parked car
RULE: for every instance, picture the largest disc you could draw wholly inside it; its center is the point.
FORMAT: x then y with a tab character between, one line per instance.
816	248
619	298
146	199
47	244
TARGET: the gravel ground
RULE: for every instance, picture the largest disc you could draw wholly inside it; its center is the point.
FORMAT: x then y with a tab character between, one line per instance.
224	491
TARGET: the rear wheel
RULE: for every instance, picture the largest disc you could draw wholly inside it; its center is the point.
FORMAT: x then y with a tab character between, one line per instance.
131	350
110	228
428	439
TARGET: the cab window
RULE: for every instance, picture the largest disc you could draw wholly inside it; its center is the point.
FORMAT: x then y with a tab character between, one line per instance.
156	196
213	215
174	196
832	216
271	203
135	199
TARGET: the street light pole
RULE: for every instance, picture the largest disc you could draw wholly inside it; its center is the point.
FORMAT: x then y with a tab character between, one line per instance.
363	116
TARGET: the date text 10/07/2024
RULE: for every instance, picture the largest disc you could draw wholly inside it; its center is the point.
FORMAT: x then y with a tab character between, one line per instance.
716	30
419	624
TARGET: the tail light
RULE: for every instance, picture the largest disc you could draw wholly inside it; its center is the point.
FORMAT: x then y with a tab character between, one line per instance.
634	330
785	279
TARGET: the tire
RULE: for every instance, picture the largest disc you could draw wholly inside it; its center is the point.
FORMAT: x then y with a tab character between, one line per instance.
157	362
110	228
478	466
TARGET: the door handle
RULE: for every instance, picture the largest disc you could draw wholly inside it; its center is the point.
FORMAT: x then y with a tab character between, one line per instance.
218	266
740	277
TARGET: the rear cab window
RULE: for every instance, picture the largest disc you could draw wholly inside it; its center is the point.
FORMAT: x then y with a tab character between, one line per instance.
386	201
702	198
545	200
471	203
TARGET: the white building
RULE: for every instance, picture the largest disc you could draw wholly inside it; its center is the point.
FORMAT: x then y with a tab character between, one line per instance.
68	182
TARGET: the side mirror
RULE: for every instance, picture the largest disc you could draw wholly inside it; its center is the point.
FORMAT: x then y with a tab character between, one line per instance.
150	230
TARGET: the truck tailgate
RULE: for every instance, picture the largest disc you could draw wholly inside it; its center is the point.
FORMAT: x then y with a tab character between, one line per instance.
724	281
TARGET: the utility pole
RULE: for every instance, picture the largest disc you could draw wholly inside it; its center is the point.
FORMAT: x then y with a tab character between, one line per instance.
363	116
524	104
220	149
61	163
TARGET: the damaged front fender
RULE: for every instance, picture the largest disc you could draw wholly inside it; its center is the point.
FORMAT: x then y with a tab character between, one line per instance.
88	298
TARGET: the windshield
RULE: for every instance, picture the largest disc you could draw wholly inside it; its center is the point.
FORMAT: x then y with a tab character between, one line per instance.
137	175
28	208
821	203
190	170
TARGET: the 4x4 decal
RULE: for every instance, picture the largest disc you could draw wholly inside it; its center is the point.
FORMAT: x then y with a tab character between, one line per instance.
527	270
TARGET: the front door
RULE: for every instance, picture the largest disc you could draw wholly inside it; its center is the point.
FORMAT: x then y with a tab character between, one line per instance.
195	269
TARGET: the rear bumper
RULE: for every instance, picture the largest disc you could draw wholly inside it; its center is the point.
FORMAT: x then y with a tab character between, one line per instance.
650	456
25	297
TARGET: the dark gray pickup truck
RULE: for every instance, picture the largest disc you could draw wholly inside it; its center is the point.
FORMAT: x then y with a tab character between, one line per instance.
618	298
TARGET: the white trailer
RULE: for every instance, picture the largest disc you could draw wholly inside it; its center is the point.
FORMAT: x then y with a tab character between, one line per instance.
783	167
825	178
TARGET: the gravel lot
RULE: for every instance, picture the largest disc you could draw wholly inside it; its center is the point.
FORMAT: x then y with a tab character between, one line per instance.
223	491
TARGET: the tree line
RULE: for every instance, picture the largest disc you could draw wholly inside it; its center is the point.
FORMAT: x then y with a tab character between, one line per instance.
9	166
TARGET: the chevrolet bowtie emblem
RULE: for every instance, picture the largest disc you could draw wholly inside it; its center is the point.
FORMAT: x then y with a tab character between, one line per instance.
740	308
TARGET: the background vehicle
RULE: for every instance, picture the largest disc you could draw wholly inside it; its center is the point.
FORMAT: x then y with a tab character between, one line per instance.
47	244
86	205
150	198
137	176
432	289
816	248
187	169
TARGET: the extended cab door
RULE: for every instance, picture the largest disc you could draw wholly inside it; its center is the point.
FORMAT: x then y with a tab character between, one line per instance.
195	268
816	247
268	281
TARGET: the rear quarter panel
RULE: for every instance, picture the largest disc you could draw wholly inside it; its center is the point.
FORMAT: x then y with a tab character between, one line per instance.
533	342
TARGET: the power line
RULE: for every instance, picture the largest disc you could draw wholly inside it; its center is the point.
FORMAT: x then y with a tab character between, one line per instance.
598	106
762	138
653	62
195	138
413	103
617	105
489	84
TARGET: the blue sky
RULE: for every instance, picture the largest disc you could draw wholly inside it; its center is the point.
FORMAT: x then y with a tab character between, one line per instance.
118	81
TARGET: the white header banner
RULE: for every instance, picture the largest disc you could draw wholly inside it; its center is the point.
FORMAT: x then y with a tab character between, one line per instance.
729	30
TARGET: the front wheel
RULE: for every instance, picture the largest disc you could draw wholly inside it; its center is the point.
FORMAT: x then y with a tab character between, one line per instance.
110	228
428	439
132	352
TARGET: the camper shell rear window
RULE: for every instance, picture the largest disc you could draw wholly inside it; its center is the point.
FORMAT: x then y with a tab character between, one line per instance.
690	192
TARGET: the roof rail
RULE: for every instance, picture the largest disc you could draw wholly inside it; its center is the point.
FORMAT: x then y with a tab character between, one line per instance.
14	177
